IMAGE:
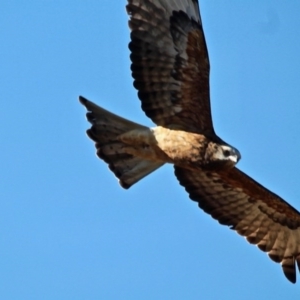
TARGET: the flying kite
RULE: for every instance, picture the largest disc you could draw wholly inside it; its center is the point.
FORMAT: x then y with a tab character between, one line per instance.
170	67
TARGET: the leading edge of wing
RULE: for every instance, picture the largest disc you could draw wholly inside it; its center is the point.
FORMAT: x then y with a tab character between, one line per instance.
236	200
170	63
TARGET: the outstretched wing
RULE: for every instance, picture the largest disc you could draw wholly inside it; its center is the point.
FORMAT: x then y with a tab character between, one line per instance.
170	63
236	200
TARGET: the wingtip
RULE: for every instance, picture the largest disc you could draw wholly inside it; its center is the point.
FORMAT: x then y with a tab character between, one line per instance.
289	269
82	100
291	277
124	185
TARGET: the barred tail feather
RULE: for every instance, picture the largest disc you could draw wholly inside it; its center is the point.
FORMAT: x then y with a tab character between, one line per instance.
106	127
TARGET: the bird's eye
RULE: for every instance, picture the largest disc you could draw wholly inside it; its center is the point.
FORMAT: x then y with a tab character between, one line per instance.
226	153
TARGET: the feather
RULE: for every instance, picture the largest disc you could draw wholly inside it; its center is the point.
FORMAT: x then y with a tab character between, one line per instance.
106	127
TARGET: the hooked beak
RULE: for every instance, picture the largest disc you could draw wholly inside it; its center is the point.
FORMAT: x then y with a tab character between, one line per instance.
236	155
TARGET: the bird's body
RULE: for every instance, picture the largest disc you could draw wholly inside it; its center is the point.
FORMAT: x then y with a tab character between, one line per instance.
190	150
170	67
158	144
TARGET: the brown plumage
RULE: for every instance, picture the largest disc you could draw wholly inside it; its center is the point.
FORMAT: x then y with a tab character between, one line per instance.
170	67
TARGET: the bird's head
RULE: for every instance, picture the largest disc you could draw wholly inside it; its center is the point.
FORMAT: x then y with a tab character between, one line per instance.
222	156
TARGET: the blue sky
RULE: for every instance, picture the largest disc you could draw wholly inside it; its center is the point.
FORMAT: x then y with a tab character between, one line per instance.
67	230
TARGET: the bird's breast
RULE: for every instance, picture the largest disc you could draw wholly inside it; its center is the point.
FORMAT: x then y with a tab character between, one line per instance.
179	147
182	147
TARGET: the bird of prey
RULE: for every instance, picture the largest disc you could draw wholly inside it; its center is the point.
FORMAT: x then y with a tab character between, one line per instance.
170	68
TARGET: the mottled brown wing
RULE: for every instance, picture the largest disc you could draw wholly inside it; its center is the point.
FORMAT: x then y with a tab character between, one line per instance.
236	200
170	63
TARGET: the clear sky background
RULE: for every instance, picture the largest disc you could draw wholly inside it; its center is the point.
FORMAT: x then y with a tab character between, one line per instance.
67	229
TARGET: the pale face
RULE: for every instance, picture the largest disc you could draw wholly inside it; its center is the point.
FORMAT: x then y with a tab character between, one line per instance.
225	154
230	153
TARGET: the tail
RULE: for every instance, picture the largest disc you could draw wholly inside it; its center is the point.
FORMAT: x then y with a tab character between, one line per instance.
106	127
